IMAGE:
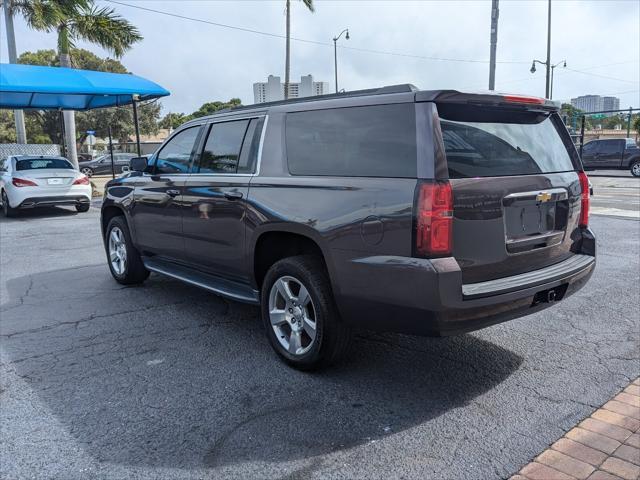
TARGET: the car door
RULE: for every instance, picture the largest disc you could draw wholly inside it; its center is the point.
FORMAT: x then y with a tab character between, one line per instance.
158	196
610	153
215	197
589	153
121	160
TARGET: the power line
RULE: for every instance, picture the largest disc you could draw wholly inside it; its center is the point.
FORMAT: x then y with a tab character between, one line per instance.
314	42
601	76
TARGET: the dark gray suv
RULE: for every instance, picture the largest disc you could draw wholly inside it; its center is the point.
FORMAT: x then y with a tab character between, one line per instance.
425	212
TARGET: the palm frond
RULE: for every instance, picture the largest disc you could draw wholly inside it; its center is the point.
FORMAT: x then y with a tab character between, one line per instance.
40	15
104	27
309	5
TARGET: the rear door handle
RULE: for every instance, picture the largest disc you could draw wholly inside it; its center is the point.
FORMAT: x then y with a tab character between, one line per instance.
173	193
233	195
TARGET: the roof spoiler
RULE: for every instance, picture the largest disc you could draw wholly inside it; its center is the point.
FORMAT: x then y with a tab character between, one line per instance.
487	98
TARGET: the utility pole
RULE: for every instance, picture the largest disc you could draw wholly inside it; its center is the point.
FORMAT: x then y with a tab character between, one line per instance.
548	88
494	43
629	123
21	133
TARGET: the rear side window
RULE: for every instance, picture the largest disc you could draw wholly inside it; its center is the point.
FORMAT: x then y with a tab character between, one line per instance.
222	149
611	146
371	141
492	143
42	163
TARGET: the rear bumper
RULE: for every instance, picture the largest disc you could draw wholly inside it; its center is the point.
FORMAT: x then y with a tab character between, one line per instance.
33	202
427	297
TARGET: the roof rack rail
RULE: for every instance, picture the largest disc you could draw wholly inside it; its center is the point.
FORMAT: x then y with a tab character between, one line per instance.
403	88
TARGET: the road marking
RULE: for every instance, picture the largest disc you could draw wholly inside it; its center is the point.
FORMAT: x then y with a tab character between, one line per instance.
616	212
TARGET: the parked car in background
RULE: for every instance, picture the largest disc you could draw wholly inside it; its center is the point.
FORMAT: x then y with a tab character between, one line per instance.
102	164
424	212
38	181
612	154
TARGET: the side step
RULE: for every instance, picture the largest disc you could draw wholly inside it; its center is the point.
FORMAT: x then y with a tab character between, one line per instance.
226	288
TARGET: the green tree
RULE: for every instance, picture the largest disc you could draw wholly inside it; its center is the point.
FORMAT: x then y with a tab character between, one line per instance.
76	20
212	107
287	63
173	120
636	124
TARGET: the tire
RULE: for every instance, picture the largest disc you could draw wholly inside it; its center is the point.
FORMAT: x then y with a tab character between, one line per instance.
296	316
87	171
7	209
83	207
128	268
635	168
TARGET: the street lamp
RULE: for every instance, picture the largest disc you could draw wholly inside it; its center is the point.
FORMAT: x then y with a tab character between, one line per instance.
335	52
552	67
564	65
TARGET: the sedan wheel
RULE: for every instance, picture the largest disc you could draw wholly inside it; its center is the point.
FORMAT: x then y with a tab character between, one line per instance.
292	315
87	171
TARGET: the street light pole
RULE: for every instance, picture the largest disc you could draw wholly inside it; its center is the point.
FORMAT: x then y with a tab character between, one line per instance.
335	53
548	63
553	68
494	43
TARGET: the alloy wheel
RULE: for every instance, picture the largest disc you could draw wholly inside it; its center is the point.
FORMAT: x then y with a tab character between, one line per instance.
292	315
117	251
635	170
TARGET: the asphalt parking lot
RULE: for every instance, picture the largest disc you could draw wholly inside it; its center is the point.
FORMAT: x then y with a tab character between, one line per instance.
167	381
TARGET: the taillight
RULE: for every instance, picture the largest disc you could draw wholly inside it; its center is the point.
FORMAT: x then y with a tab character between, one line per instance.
523	99
584	199
22	182
434	219
81	181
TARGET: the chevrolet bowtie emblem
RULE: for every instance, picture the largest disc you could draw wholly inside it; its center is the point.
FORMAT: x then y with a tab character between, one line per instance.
543	197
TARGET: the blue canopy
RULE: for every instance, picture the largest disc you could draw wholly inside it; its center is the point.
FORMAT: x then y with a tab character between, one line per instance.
44	88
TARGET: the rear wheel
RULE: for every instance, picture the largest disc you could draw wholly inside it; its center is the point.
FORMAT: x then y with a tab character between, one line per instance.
635	168
300	315
124	260
7	210
87	171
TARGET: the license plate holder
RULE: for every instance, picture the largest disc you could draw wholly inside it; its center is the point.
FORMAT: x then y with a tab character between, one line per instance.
55	181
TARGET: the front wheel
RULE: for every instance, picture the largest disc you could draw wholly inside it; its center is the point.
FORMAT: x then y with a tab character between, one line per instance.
124	260
635	168
299	313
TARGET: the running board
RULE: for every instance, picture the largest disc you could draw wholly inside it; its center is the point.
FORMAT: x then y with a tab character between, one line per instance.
226	288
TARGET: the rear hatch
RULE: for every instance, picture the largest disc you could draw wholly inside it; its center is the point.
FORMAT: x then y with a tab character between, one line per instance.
516	191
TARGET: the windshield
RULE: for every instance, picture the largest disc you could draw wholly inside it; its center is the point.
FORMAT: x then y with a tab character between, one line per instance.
503	145
42	163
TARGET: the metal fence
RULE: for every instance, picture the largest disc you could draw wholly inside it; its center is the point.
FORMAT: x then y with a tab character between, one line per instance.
7	149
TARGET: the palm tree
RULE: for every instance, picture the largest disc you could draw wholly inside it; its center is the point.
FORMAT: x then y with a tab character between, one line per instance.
75	20
287	63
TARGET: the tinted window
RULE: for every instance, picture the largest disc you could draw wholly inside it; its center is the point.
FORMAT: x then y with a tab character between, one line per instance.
249	152
376	141
590	147
222	150
176	154
42	163
611	146
504	144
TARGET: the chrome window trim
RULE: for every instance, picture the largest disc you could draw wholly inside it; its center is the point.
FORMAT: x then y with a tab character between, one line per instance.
260	145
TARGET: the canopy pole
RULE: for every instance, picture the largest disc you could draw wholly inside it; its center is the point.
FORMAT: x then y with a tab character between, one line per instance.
113	167
134	104
62	144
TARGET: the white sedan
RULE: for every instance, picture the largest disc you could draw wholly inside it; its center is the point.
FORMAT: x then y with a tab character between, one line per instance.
28	181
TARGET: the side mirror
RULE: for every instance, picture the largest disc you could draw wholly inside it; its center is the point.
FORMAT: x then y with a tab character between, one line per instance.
138	164
125	168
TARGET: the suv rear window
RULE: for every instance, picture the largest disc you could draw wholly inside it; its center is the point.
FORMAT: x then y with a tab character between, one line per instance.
371	141
487	143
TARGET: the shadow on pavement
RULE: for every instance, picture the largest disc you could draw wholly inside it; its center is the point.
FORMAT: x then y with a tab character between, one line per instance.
169	375
41	212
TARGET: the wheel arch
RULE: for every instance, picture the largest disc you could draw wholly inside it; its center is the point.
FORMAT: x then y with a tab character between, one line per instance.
284	240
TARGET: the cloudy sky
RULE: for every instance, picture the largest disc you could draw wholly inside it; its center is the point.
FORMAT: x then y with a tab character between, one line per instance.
200	62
